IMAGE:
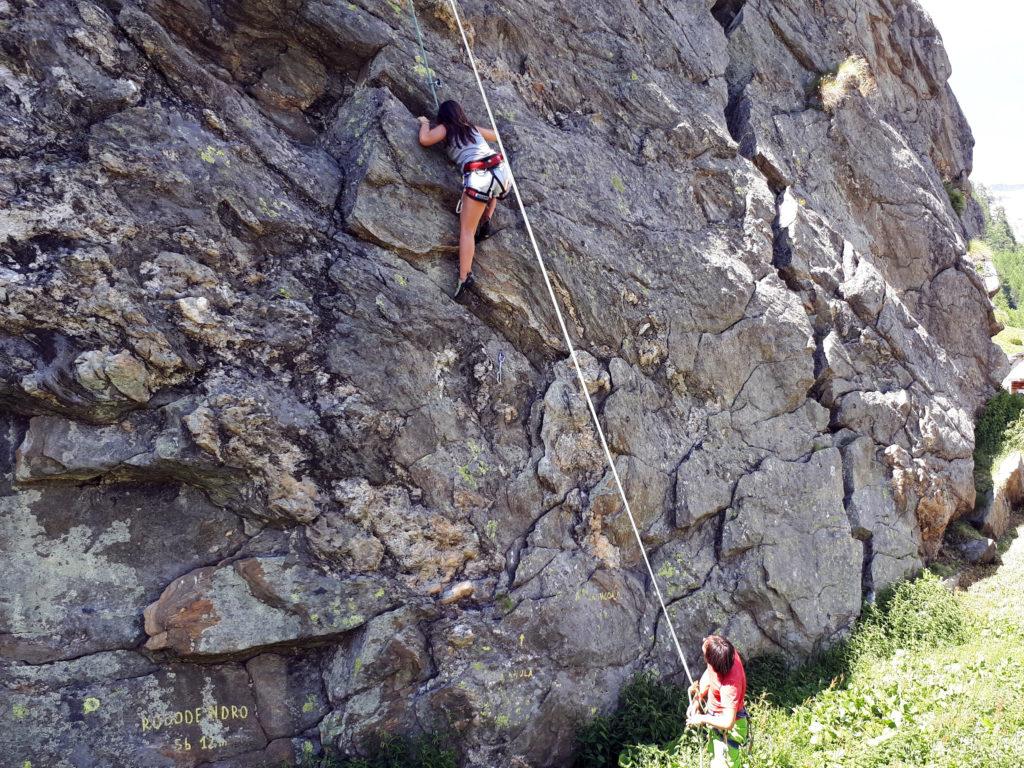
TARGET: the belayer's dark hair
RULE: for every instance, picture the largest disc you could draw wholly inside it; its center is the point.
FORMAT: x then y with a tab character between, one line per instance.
719	653
458	129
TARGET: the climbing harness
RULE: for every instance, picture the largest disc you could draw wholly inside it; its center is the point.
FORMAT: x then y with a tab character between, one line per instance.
484	163
572	349
428	74
479	178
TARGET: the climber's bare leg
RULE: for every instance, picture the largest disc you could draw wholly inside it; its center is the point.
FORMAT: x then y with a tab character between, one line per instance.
490	208
472	210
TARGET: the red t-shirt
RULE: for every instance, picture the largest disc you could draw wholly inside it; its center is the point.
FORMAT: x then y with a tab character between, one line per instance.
727	692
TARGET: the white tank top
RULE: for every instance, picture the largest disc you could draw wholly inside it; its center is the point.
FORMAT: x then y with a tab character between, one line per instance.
467	153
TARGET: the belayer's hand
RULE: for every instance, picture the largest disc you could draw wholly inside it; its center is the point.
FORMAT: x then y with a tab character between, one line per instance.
694	720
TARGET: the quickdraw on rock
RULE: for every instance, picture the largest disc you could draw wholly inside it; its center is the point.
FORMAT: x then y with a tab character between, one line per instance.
428	74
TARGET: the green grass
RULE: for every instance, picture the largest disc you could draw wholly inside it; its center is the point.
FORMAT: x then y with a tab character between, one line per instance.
998	431
1010	339
927	678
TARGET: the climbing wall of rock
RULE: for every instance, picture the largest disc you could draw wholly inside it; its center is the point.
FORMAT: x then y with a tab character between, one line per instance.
267	489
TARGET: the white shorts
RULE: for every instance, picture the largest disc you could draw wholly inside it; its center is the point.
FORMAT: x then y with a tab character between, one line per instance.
488	183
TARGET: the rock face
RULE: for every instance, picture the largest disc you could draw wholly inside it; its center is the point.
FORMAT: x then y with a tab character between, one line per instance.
267	489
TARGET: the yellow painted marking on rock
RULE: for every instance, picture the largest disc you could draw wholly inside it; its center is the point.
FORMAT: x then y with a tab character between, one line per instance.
192	716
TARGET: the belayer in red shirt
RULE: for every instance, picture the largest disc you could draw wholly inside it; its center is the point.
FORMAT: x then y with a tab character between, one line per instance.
722	690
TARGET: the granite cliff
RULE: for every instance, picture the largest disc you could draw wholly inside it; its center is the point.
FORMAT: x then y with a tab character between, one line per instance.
267	489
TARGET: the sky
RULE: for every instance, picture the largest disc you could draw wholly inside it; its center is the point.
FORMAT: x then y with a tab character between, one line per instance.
985	43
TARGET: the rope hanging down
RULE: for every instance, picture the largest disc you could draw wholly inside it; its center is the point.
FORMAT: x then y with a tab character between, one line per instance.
429	73
572	350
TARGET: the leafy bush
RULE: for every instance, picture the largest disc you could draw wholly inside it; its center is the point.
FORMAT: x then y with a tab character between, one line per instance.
912	615
957	198
649	712
998	431
853	73
389	751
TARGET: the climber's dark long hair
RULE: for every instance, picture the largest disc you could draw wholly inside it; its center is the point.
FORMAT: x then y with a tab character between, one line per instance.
458	129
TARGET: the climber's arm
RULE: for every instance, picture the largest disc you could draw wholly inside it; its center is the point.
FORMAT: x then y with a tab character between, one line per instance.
487	133
430	136
723	721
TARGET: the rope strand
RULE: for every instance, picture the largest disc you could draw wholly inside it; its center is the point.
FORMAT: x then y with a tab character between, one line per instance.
572	350
423	52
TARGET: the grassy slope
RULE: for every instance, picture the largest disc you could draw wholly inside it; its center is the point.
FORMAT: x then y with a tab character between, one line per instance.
934	680
935	705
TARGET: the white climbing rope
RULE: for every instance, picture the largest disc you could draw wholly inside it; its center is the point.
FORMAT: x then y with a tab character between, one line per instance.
572	349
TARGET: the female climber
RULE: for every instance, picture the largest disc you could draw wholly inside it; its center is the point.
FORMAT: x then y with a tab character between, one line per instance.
721	690
486	178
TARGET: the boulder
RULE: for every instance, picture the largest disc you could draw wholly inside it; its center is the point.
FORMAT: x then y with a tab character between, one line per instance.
978	551
891	538
78	585
991	515
289	697
259	602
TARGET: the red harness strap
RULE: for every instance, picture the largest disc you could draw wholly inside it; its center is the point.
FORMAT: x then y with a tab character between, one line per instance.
485	164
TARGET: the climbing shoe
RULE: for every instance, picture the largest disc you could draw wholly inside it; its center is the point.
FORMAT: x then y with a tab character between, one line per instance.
464	285
484	230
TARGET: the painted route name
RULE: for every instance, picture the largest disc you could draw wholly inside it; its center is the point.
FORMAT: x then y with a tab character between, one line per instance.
193	716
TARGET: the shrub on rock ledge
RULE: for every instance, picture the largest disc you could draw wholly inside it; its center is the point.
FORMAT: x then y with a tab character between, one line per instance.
854	73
